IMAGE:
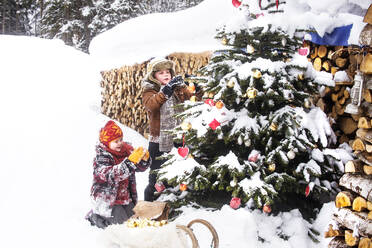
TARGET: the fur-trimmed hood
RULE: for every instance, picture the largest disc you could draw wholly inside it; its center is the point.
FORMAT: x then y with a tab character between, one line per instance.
158	64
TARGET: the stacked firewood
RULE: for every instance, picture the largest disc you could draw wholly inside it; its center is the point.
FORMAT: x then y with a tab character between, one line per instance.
350	67
352	221
122	91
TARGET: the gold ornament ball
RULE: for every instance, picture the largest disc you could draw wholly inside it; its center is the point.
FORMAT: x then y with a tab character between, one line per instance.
186	126
273	126
250	49
231	83
205	95
210	95
251	93
224	41
193	98
257	74
271	167
307	103
301	76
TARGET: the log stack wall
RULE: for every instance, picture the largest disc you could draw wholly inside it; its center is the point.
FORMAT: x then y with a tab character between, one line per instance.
122	92
352	222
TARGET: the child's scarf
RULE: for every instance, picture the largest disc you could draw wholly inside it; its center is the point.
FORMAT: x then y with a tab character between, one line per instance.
125	151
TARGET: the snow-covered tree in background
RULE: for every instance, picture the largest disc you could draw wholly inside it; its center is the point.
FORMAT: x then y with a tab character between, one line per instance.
256	137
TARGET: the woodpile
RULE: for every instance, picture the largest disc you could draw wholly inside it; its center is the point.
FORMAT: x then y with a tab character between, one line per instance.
122	92
352	111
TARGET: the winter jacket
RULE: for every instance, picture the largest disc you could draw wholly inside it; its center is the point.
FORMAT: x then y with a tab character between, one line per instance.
113	184
153	99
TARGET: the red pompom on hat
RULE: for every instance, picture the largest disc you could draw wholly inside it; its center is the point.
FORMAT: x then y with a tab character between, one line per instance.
111	131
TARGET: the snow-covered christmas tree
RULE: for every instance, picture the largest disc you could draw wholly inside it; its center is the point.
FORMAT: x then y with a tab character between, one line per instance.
256	139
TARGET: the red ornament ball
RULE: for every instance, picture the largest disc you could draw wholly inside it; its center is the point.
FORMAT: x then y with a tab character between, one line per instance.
235	202
266	209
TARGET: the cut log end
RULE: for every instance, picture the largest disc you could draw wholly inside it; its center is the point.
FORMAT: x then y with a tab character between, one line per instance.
333	232
365	243
359	204
354	166
350	239
344	199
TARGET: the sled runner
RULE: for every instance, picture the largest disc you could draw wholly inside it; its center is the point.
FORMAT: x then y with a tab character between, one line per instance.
190	233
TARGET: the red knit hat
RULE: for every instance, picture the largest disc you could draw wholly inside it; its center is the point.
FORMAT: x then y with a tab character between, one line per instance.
110	132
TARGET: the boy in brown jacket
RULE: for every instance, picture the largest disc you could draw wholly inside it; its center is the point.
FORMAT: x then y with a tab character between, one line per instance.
161	92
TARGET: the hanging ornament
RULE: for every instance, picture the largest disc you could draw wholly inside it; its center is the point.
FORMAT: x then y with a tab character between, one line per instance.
235	202
284	41
191	87
272	167
214	124
257	74
210	102
251	93
275	52
253	156
224	41
219	105
159	186
291	154
240	140
210	95
190	156
236	3
266	209
183	151
301	76
309	188
231	83
183	186
303	51
250	49
205	95
273	126
186	126
193	99
307	103
248	142
307	191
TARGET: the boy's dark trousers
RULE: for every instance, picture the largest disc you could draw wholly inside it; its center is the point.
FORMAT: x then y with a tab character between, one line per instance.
154	152
119	214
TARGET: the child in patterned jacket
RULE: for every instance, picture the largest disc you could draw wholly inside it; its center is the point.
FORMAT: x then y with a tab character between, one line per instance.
113	192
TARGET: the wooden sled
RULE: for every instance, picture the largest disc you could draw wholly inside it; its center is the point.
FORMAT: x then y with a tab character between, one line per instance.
159	211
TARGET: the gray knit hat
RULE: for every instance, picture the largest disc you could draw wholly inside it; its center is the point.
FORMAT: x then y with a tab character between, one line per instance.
157	64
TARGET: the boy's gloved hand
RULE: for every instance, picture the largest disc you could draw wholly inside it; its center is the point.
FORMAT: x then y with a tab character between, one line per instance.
139	154
169	87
